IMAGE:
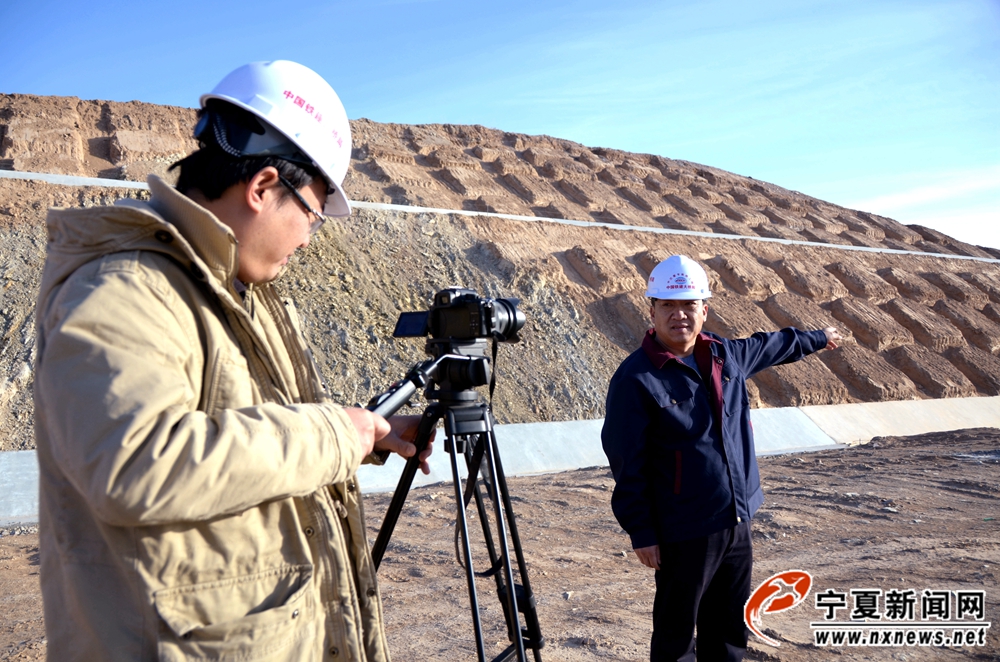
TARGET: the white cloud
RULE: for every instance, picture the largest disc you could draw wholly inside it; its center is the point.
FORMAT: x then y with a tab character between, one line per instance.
963	204
952	186
979	226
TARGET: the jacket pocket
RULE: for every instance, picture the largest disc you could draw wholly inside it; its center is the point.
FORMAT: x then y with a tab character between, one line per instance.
680	416
246	618
228	383
667	400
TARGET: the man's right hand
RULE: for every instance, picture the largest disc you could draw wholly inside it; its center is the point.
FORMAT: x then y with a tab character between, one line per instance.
833	337
649	556
371	427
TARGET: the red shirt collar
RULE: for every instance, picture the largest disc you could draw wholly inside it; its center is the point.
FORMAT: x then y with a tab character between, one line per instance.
659	355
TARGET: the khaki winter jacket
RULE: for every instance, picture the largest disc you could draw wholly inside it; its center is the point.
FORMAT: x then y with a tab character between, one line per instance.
198	497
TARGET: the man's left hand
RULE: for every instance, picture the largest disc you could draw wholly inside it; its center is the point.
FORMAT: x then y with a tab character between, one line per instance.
833	337
400	440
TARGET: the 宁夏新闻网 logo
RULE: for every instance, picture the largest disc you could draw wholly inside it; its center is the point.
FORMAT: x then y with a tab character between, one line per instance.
771	597
893	617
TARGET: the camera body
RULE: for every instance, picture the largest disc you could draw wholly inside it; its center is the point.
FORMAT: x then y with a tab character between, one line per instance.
459	323
459	315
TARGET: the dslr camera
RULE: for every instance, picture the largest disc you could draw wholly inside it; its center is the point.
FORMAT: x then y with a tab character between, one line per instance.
460	320
459	323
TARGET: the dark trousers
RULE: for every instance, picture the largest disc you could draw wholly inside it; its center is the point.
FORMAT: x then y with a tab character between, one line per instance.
705	581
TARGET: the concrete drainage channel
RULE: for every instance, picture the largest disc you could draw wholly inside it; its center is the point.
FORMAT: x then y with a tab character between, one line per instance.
538	448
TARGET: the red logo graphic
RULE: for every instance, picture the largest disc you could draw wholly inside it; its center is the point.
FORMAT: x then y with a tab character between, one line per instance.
769	599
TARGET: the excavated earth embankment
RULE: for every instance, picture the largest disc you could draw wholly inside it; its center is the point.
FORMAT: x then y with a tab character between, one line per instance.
919	324
580	288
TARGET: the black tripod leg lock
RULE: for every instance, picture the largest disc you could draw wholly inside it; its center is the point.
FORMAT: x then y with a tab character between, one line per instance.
524	599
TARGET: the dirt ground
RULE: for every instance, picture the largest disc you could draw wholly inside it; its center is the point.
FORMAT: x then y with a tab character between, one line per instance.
917	513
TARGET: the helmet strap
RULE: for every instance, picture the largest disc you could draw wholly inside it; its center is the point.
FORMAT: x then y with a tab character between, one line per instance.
235	139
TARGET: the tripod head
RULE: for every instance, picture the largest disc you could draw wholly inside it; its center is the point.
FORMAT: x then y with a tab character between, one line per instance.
449	377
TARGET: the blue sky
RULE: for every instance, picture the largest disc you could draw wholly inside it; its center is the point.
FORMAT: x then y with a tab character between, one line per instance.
886	106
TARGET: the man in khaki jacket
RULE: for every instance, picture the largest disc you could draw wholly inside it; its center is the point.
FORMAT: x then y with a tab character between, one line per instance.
198	491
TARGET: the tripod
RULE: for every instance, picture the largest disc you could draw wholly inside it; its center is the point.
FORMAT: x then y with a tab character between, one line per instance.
468	426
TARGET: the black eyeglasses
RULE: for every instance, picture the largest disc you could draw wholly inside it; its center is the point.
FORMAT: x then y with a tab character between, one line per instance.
318	218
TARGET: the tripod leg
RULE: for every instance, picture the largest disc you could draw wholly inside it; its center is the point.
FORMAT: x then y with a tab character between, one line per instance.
514	621
469	427
464	531
496	484
474	459
527	599
431	416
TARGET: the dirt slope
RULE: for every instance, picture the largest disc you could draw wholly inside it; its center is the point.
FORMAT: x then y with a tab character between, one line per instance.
467	167
918	325
580	289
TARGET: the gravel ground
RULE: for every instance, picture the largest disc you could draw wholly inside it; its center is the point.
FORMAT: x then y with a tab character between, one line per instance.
917	513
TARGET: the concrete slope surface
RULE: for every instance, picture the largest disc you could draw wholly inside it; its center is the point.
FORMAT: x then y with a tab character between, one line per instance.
921	311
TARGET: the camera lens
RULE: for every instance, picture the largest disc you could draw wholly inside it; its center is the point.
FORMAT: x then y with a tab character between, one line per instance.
507	319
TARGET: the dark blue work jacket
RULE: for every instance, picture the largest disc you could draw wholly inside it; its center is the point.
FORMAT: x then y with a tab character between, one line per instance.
680	443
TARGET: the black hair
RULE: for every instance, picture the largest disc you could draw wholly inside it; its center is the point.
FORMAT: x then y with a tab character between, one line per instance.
212	170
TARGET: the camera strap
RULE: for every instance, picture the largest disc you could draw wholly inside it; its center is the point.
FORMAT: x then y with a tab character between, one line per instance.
493	373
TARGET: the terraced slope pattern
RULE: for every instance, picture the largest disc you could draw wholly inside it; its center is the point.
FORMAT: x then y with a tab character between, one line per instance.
921	312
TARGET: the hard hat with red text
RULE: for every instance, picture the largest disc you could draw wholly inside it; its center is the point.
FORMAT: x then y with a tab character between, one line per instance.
303	121
680	278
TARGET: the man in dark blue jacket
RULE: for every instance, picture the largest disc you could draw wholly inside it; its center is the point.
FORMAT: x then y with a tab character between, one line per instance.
680	443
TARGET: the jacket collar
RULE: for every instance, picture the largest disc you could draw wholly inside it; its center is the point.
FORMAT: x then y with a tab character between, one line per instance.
211	240
170	223
659	355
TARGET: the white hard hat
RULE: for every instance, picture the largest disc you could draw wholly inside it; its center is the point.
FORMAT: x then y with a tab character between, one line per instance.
302	107
680	278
